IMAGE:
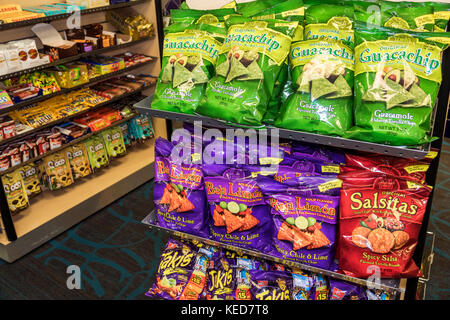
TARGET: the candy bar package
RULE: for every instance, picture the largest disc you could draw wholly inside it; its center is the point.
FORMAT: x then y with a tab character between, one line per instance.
237	206
271	285
181	273
379	223
58	171
304	218
247	68
79	161
115	145
179	192
97	154
397	79
15	192
30	179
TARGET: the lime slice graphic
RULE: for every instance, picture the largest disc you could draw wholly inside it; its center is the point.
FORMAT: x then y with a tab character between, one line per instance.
233	207
341	23
208	19
396	22
301	223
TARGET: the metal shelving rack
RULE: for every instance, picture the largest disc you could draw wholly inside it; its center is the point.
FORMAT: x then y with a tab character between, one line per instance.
50	214
407	290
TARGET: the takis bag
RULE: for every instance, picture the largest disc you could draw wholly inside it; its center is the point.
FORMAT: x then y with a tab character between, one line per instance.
397	79
271	285
246	70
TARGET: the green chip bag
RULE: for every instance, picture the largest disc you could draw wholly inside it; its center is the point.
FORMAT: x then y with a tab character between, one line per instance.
441	14
322	71
114	143
189	55
211	17
407	15
331	20
397	79
247	69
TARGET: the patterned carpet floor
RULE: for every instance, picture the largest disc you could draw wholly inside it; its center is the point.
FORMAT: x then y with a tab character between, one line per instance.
118	255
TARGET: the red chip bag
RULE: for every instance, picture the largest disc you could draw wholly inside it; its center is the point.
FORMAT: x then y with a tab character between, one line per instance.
397	167
380	221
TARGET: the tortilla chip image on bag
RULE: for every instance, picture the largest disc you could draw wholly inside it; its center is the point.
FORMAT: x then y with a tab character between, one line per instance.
323	73
239	213
246	70
179	193
379	224
189	55
397	79
304	222
181	273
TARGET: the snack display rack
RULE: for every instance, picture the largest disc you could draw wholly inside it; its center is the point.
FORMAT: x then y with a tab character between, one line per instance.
53	212
407	289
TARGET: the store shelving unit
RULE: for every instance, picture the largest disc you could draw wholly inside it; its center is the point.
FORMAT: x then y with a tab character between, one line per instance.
53	212
406	288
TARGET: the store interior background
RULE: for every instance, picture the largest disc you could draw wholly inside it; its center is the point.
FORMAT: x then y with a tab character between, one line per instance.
118	260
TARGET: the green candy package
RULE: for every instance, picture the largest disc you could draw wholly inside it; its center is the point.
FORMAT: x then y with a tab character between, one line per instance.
322	71
247	68
397	79
189	55
97	154
114	142
332	19
441	14
406	15
210	17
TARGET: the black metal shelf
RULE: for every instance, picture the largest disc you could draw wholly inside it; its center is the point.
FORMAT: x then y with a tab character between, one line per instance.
71	59
144	107
390	285
71	143
68	118
18	24
64	91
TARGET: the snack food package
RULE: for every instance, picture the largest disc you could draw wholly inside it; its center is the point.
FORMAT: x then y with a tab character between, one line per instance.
247	68
239	214
304	218
320	289
395	96
407	15
323	102
332	19
271	285
79	161
97	154
343	290
15	192
379	223
115	145
179	193
58	171
441	14
302	284
189	55
181	273
30	179
214	17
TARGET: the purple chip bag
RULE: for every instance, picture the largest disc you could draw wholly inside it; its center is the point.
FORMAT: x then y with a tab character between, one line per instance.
222	279
302	285
319	291
304	151
237	205
270	285
179	194
343	290
304	220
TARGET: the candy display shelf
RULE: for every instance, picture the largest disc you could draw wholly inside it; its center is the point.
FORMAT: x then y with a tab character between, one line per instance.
64	91
53	212
12	25
144	107
72	58
396	286
68	118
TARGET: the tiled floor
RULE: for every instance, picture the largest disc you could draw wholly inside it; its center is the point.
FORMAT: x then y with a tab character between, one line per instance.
118	255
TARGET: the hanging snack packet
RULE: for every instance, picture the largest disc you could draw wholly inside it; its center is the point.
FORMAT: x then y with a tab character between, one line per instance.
407	15
181	273
115	145
304	220
302	285
271	285
323	73
251	59
58	170
239	214
179	193
441	13
15	192
222	280
30	178
79	161
330	20
189	56
97	154
380	221
397	79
